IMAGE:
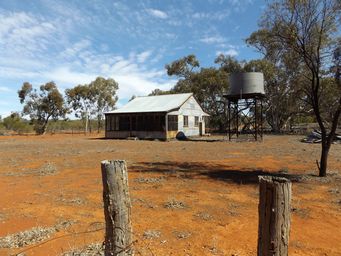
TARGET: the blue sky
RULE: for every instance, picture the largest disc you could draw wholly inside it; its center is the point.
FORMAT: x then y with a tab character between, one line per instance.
73	42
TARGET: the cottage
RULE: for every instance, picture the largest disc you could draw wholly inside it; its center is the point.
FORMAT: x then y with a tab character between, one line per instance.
157	117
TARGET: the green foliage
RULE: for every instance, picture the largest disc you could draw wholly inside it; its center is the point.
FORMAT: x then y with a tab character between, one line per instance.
15	123
229	64
103	97
42	105
306	33
78	98
282	92
66	126
92	100
207	85
159	92
132	97
183	67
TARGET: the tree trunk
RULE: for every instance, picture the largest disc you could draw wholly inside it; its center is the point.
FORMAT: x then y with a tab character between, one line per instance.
86	123
44	129
274	216
41	127
98	124
117	208
327	141
324	157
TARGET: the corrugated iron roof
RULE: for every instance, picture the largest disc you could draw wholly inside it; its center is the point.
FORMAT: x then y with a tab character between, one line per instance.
159	103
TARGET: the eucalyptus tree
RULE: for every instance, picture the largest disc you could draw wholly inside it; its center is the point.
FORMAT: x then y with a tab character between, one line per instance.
92	100
42	105
79	100
103	97
207	85
308	30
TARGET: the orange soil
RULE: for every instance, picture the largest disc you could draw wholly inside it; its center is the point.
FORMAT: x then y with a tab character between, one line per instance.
213	179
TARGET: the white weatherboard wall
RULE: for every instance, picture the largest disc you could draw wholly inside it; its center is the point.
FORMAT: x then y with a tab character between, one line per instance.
191	109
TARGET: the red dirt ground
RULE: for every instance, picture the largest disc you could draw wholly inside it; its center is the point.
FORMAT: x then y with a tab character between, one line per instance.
216	181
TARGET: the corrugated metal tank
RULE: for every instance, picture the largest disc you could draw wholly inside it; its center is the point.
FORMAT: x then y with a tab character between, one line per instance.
246	83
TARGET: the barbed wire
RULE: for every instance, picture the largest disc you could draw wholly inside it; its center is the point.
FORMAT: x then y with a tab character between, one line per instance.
61	236
128	247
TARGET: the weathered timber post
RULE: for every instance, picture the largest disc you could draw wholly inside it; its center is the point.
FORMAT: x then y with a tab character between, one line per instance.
274	216
117	208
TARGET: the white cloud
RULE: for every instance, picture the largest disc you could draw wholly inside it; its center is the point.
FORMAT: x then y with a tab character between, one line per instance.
212	39
219	15
5	89
73	50
23	34
15	73
240	5
4	112
137	84
65	77
230	52
157	13
143	56
13	21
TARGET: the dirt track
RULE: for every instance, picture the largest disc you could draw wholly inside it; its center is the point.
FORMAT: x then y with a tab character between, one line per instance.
189	198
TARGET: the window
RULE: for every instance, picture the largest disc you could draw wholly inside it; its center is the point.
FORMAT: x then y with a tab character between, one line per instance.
107	123
133	122
140	123
185	121
150	122
196	121
124	123
112	122
115	123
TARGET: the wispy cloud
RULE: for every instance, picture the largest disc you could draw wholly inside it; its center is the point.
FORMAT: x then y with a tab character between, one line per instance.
5	89
240	5
23	34
230	52
143	56
212	39
129	41
75	49
217	16
31	38
157	13
130	72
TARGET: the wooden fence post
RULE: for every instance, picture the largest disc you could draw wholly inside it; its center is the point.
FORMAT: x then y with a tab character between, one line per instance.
117	208
274	216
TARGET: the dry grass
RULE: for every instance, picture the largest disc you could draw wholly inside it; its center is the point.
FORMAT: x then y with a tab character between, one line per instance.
73	201
182	234
32	236
144	203
27	237
95	249
174	204
151	234
44	170
204	216
149	180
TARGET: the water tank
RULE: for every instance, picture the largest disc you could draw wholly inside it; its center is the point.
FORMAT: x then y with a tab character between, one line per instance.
248	83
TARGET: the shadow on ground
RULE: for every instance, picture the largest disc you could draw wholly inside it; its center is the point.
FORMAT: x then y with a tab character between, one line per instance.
97	138
216	172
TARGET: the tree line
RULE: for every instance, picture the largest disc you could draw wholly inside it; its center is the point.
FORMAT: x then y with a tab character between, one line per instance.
87	102
209	85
